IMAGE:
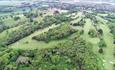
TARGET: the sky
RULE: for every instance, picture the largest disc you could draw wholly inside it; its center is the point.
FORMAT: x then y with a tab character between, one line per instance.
96	0
100	0
69	0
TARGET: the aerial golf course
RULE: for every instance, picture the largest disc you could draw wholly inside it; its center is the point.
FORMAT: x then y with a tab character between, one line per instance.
57	41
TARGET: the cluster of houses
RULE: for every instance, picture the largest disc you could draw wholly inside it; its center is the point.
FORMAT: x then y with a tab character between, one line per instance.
99	7
60	5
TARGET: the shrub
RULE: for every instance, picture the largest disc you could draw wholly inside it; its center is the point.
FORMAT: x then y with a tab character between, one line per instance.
16	18
100	31
92	33
102	44
100	50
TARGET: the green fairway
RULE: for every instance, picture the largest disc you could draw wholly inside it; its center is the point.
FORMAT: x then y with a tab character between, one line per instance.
107	57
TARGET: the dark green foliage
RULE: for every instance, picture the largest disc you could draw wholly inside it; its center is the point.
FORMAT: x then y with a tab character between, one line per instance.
70	55
102	44
16	18
90	15
80	23
31	26
100	31
114	66
100	50
92	33
110	18
112	27
31	20
114	52
31	15
2	27
22	32
28	29
56	33
114	42
57	19
62	17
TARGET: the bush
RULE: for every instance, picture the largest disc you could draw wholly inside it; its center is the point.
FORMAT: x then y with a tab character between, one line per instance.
80	23
102	44
92	33
100	50
100	31
26	30
3	27
16	18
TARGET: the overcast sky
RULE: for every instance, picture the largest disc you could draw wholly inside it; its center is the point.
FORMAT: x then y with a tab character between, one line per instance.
67	0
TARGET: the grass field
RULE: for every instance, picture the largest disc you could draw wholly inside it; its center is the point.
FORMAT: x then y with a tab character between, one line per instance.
107	57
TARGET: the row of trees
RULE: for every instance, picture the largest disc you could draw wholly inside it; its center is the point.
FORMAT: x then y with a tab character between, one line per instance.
111	25
57	33
56	19
3	26
112	30
30	27
80	23
14	19
22	32
97	32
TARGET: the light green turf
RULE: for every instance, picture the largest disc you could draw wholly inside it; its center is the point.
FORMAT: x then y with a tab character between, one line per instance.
107	57
87	27
100	14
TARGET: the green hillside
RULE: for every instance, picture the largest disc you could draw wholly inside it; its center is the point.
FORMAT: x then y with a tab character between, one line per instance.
41	40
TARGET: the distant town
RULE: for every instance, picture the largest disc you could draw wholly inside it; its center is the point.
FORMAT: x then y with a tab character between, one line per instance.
59	4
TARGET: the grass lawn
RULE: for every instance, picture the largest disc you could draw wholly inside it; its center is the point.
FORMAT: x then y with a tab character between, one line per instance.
107	57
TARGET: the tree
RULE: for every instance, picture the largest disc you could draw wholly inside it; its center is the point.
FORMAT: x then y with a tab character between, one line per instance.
114	42
16	18
23	60
100	50
102	44
10	67
92	33
100	31
57	33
